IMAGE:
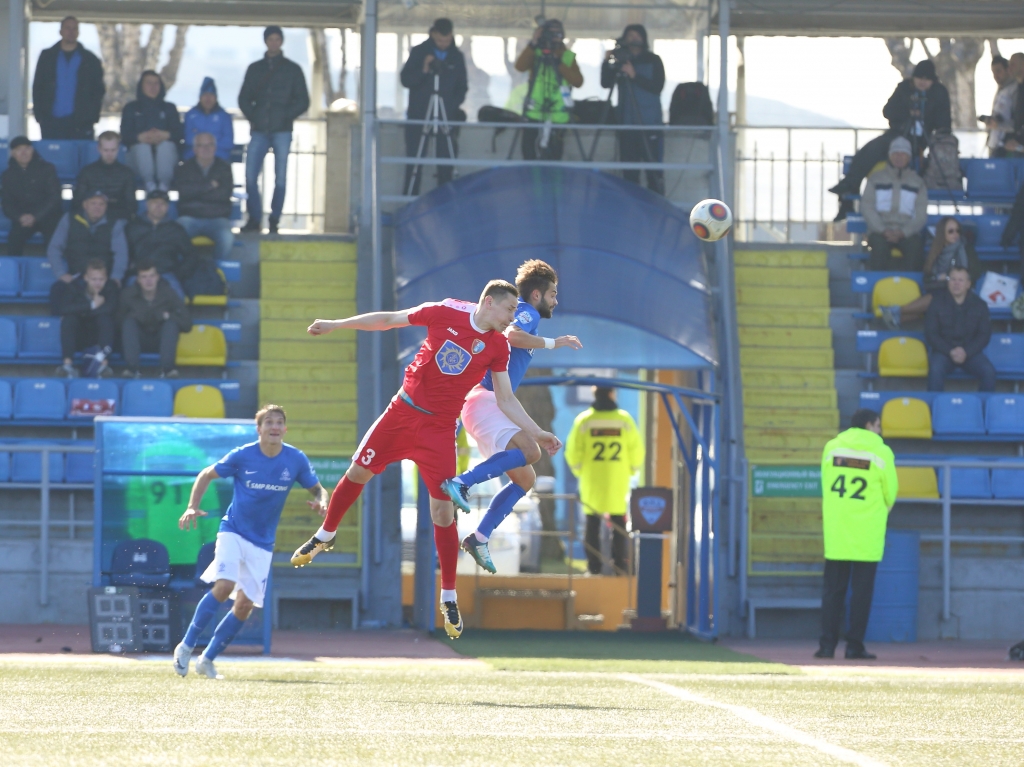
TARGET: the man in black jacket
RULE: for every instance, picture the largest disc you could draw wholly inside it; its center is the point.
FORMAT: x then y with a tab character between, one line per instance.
68	89
86	306
112	177
151	129
152	316
30	193
273	94
437	57
157	239
83	237
204	183
958	328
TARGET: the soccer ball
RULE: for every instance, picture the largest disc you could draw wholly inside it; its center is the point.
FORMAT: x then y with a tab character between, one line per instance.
711	220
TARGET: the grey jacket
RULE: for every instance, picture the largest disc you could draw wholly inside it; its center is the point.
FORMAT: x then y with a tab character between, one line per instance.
895	199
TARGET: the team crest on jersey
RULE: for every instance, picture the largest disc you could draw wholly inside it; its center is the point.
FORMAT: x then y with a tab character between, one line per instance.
286	476
478	346
452	359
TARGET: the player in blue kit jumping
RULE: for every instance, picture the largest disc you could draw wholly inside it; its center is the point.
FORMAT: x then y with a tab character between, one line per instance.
264	473
505	448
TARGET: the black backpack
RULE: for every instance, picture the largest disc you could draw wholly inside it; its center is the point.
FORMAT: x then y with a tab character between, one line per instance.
691	105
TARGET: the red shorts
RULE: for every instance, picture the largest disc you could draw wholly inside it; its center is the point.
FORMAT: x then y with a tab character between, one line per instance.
404	433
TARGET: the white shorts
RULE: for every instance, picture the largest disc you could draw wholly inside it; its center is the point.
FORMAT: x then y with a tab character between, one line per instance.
236	559
485	422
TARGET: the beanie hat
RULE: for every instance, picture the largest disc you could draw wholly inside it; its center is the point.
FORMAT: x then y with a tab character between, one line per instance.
273	29
19	141
208	86
899	144
925	70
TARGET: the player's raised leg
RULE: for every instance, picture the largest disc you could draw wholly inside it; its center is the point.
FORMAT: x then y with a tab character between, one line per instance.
344	496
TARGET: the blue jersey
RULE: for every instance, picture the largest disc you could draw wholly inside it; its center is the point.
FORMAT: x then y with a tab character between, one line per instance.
261	488
527	319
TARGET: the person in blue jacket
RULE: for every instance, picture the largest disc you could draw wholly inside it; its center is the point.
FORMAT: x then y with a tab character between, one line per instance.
151	129
208	117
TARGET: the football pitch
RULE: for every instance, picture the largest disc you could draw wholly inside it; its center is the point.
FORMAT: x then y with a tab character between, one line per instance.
513	698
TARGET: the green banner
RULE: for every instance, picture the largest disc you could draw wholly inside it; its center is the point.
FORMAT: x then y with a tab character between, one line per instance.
786	481
329	470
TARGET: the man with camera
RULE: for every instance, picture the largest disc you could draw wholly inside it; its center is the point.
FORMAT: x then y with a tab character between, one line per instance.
640	76
553	74
434	63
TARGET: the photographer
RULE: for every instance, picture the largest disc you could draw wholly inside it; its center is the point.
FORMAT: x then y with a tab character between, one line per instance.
438	56
640	76
553	73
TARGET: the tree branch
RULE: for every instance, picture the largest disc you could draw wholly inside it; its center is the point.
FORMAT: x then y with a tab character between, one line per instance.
169	73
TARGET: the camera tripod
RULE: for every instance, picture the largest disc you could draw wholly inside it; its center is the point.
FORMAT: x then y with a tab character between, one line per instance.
655	178
436	124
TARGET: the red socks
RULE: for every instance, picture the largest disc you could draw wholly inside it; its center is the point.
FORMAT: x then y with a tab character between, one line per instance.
342	498
446	539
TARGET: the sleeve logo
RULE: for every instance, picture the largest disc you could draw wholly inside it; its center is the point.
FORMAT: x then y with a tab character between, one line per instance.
524	318
452	359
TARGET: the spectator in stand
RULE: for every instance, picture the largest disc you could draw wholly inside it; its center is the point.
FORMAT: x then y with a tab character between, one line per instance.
204	185
68	89
208	117
1000	122
152	316
115	179
164	243
957	329
949	250
152	131
554	72
86	306
1014	142
273	94
87	236
895	208
918	108
641	78
30	193
435	55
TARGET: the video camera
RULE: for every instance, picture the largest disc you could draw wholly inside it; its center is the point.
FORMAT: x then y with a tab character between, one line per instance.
551	34
436	66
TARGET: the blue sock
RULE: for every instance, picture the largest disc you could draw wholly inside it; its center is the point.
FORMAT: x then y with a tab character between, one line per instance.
205	611
494	466
222	637
501	507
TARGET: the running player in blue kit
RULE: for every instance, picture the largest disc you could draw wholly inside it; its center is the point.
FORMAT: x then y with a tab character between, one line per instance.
264	473
506	448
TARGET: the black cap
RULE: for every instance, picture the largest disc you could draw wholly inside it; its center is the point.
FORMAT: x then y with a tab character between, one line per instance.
97	193
158	194
19	141
925	70
273	29
442	26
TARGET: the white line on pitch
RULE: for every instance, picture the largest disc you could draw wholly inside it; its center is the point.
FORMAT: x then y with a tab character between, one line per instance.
765	722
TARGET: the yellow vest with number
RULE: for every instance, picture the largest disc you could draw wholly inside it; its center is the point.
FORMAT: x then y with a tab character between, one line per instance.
858	488
604	451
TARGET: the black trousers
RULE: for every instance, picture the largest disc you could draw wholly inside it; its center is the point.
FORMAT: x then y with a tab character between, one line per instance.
632	149
866	158
531	144
65	128
136	338
838	575
80	331
882	259
19	234
413	134
593	539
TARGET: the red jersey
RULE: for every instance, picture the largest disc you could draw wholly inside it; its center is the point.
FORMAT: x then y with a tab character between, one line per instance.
454	357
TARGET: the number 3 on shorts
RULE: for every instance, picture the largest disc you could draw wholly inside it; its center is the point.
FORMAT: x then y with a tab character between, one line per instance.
368	455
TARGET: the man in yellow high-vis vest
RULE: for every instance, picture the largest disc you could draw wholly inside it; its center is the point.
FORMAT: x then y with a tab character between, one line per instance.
858	488
604	451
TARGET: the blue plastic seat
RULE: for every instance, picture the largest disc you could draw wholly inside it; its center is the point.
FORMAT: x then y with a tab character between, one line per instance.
1006	352
80	468
957	414
1004	414
990	179
203	561
1008	483
6	405
10	277
989	232
27	466
39	398
63	154
153	399
140	562
40	338
971	483
90	398
5	467
37	277
8	338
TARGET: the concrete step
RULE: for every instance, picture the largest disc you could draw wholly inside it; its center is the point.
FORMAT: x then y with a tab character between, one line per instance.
780	505
307	273
301	391
770	377
806	399
780	316
781	258
782	522
303	351
819	359
319	439
774	455
786	548
296	373
786	338
771	275
326	411
306	311
790	418
295	330
787	439
333	249
780	296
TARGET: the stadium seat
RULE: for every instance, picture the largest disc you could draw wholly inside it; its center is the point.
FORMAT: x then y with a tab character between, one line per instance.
893	291
40	338
199	401
1008	483
990	232
39	398
153	399
37	277
203	345
5	467
88	398
917	482
906	417
140	562
203	561
1004	414
6	406
63	154
957	415
28	466
8	338
1006	352
990	179
971	483
10	277
80	468
903	356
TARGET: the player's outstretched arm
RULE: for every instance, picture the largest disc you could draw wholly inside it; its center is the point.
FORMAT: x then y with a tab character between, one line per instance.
321	499
190	519
371	321
520	339
513	410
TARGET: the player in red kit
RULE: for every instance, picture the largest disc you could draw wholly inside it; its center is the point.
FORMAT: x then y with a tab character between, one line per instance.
464	341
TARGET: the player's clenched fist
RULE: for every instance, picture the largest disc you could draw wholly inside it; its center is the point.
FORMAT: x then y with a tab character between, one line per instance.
320	327
549	442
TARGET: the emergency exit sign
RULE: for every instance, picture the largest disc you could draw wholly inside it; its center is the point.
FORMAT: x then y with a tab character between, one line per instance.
786	481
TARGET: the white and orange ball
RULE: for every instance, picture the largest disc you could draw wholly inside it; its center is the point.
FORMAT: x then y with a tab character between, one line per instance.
710	220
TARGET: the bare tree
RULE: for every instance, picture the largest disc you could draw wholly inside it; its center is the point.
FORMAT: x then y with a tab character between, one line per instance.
125	58
319	38
899	51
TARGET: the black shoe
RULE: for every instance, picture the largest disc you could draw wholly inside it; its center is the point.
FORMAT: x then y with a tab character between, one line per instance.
252	225
859	654
823	653
1016	652
845	209
842	188
273	226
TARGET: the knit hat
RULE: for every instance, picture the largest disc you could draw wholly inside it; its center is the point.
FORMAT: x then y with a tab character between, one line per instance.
19	141
97	193
925	70
273	29
158	194
208	86
899	144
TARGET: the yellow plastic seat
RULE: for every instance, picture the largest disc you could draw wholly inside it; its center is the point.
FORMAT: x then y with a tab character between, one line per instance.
917	482
893	291
204	300
199	401
902	356
202	241
907	417
203	345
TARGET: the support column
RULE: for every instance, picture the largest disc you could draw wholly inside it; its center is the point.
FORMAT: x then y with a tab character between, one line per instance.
13	51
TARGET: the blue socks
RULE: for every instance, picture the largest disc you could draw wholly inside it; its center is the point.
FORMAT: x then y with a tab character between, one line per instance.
205	611
501	507
493	467
222	637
